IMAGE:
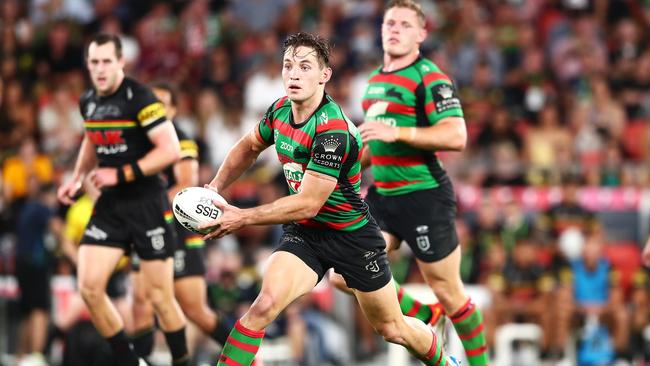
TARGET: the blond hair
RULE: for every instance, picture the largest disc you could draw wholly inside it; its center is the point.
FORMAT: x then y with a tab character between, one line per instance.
409	4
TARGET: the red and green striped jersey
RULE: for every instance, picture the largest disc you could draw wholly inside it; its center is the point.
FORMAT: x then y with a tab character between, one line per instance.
418	95
328	143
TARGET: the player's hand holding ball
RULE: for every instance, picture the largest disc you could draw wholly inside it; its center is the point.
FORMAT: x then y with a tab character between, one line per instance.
204	211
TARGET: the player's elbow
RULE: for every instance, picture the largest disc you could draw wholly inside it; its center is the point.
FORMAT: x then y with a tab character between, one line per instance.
172	153
311	208
458	140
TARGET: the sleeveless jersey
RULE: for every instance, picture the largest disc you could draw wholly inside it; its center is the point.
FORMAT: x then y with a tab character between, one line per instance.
117	125
418	95
328	143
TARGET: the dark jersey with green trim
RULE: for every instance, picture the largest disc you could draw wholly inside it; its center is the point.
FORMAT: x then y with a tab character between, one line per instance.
117	125
418	95
328	143
189	151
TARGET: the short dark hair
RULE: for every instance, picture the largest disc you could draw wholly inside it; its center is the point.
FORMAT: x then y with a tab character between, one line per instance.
317	43
409	4
103	38
169	88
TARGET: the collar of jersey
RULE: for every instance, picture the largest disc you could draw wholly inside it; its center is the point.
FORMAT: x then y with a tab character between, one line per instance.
381	68
324	101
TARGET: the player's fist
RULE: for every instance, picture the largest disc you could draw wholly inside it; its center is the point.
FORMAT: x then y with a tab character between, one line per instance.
375	130
67	192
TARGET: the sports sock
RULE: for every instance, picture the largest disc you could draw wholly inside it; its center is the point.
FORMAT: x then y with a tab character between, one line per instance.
122	349
436	356
143	342
412	307
241	346
178	347
468	323
220	331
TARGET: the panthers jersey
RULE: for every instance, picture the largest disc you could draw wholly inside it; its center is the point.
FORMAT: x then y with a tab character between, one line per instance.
117	125
328	143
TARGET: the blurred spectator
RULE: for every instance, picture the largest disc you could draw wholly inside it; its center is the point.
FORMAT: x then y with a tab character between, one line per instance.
60	125
59	54
20	169
36	228
598	294
501	147
547	147
130	46
17	114
263	87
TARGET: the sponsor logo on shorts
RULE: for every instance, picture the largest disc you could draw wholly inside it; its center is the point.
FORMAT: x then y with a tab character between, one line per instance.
367	255
157	237
423	243
96	233
290	238
422	229
372	267
179	261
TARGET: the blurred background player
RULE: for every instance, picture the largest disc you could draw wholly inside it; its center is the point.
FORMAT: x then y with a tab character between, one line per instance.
130	140
189	263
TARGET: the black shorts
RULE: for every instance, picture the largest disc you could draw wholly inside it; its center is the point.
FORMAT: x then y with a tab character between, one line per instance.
34	284
359	256
188	255
424	219
144	222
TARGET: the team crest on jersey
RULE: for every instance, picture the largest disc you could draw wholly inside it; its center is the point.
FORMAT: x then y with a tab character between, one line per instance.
90	109
293	172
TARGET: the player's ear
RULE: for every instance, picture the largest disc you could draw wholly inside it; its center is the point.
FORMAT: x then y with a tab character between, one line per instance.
325	75
422	35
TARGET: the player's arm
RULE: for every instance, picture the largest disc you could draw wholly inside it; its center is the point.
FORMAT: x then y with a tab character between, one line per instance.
86	161
186	172
239	158
166	149
314	191
646	253
448	134
365	157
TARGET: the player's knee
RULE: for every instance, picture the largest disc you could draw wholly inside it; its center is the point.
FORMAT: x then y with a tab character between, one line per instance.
390	331
265	308
91	293
160	297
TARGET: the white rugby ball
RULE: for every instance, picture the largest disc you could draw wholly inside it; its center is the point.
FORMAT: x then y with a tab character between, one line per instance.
193	206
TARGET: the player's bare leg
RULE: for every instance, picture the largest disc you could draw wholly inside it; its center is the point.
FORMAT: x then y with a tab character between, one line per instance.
444	279
382	310
143	316
96	263
286	278
158	279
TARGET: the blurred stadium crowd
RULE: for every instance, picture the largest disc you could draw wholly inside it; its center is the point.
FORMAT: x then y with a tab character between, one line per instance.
553	188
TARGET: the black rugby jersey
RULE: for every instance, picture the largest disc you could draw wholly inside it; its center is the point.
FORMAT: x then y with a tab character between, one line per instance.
117	125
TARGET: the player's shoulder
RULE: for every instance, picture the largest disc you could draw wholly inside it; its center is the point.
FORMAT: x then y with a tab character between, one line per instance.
279	104
135	90
86	96
429	71
330	116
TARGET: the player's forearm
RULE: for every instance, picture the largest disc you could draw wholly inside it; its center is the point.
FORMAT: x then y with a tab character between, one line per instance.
86	160
365	158
239	158
186	173
282	210
448	135
160	157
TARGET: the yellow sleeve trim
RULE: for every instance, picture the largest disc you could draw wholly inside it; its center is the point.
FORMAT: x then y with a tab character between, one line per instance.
151	113
189	149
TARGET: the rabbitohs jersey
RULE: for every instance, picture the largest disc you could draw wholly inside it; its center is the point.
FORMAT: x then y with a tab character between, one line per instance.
418	95
328	143
117	125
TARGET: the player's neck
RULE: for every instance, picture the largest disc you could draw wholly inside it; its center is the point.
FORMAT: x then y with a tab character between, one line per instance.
303	110
392	63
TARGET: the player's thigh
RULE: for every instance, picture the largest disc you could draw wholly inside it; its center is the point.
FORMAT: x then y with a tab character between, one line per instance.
158	274
96	264
286	278
446	269
190	291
